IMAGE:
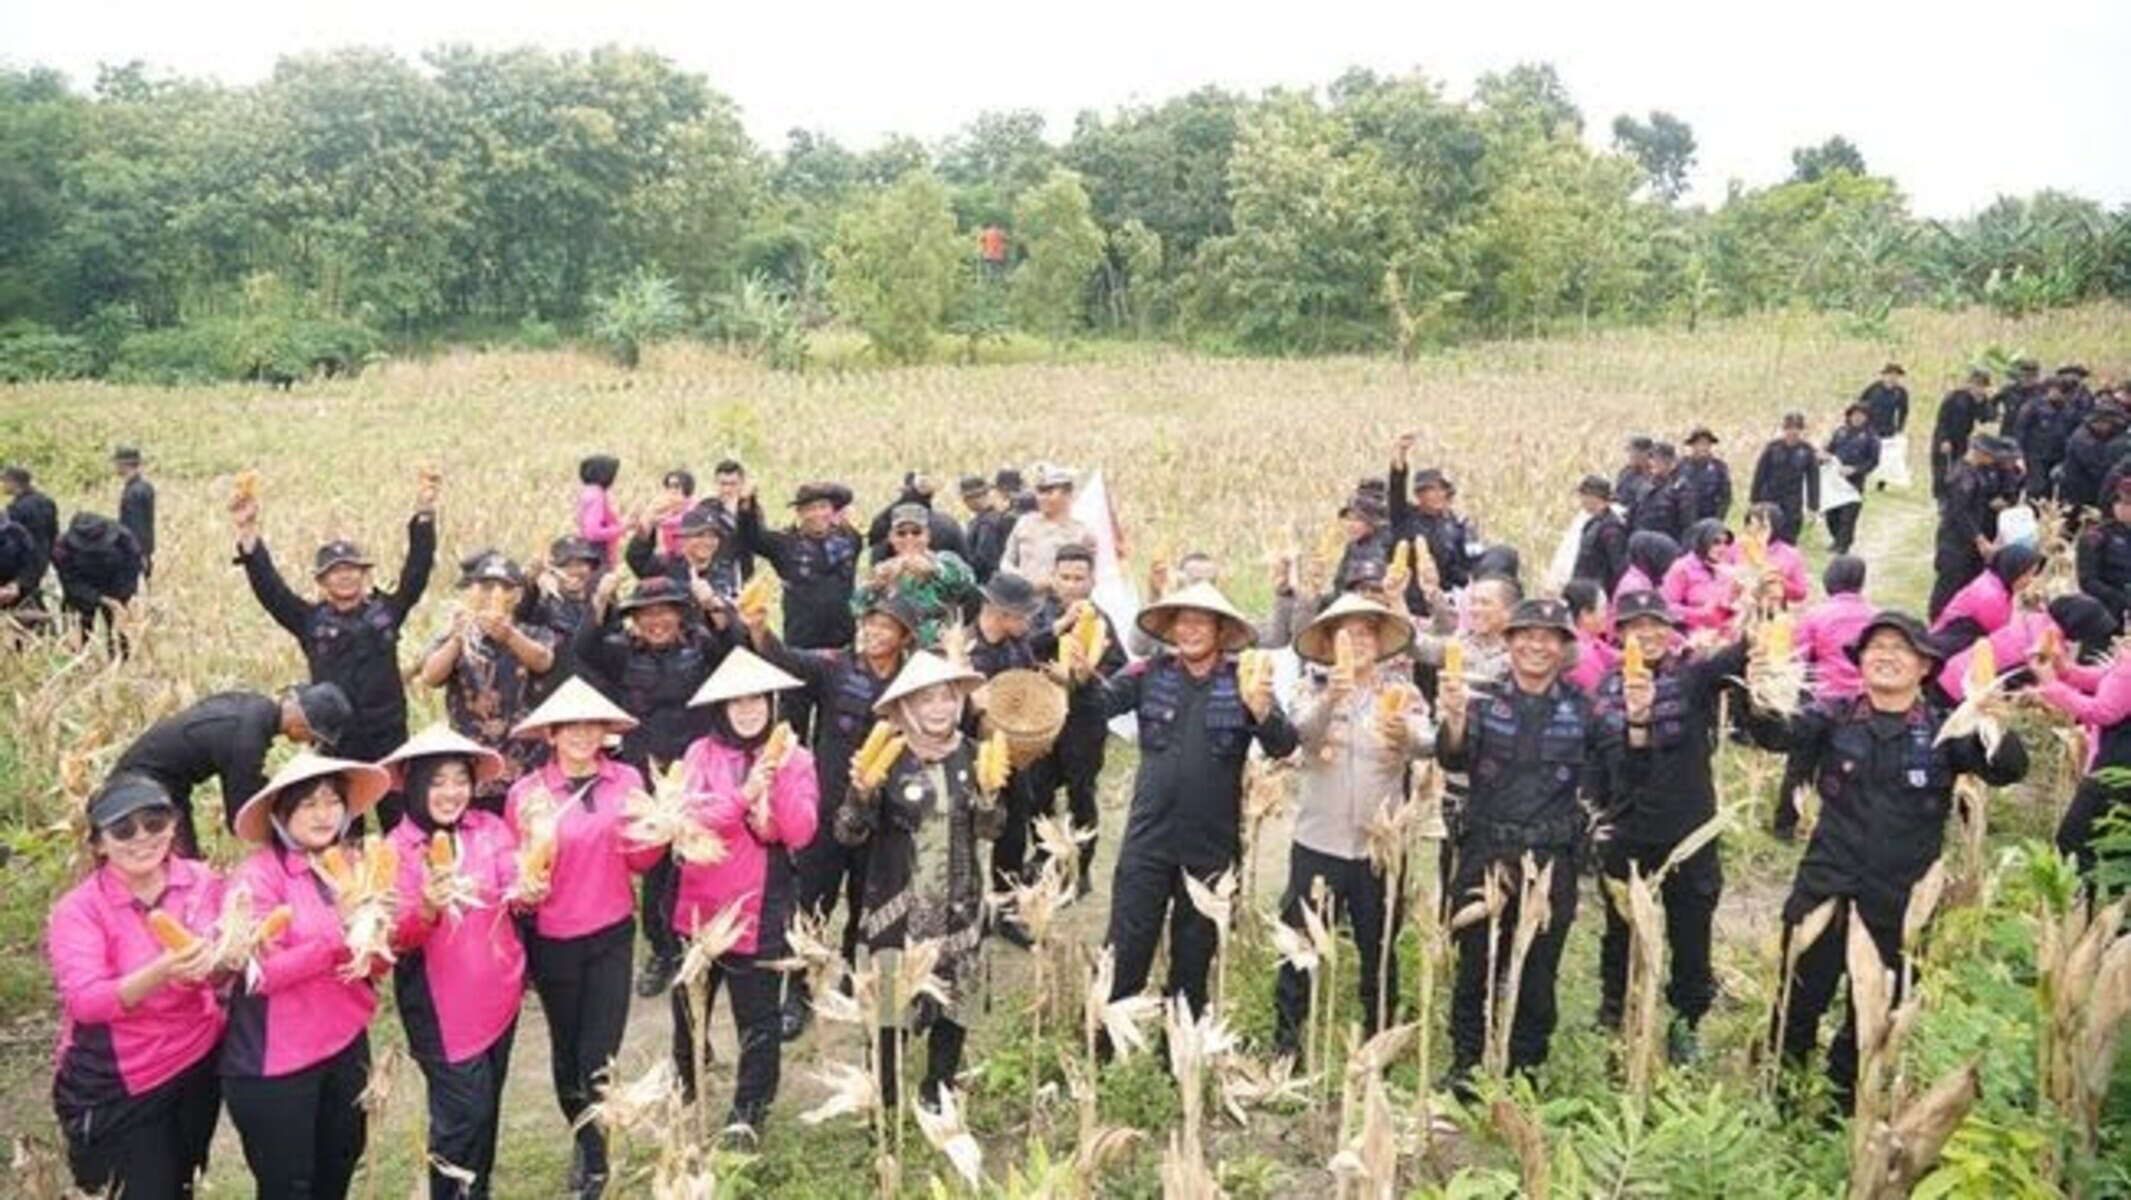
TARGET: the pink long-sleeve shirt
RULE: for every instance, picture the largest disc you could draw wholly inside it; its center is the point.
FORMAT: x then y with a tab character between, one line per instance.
714	772
593	861
1594	657
1825	632
460	976
1701	593
98	934
294	1010
1632	580
2096	697
2010	645
1985	600
597	520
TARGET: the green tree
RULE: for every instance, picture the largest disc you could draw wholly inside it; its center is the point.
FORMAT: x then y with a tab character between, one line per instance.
896	265
1062	246
1133	270
642	309
992	162
1664	146
1810	163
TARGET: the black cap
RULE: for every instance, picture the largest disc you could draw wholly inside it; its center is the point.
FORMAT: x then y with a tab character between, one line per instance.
1008	480
1541	613
1663	450
1640	444
1011	592
1370	508
490	567
124	793
1856	406
896	609
1701	433
657	590
705	518
1996	446
1794	420
1643	603
325	710
1428	477
571	548
1893	368
2026	366
836	494
1364	571
975	485
338	553
1911	629
1595	485
128	455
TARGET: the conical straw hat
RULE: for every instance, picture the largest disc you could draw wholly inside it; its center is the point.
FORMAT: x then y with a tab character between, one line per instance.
575	702
743	673
361	784
922	671
441	741
1316	642
1236	631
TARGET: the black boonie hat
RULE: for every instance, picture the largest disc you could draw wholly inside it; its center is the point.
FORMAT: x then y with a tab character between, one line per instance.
704	519
1640	443
1996	447
572	548
1369	508
654	591
1794	420
975	485
1011	592
836	494
1893	368
338	553
1911	629
127	455
896	609
325	710
1428	477
1541	613
1595	485
1008	480
1364	571
1701	433
491	568
125	793
1643	603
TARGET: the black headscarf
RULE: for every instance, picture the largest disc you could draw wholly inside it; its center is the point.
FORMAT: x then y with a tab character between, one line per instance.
721	726
421	773
1705	535
1652	553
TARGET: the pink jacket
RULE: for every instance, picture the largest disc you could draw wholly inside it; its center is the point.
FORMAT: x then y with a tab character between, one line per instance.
1594	657
1787	561
1700	593
98	935
597	522
2010	645
1632	580
460	977
2096	697
714	772
293	1010
592	860
1825	633
1984	600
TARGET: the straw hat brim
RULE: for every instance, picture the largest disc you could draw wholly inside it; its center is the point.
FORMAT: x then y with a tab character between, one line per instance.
1318	639
362	785
574	703
743	673
922	671
1236	633
441	741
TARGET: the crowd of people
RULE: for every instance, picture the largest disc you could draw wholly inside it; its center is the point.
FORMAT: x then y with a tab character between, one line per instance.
843	761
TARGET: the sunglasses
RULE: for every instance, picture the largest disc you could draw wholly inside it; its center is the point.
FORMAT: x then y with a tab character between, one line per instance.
153	822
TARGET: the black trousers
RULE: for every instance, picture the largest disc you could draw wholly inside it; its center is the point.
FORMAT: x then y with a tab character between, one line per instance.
1790	520
1357	892
1689	896
152	1144
1822	967
1796	774
1955	567
944	1040
660	889
2076	831
1146	891
1010	851
753	991
1842	525
465	1103
1532	1011
304	1133
1075	765
827	868
583	984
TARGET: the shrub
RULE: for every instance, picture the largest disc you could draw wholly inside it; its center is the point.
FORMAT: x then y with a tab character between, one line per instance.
30	352
643	308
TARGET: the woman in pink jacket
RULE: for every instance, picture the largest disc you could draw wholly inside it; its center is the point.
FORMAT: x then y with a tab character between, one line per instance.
1827	630
297	1052
1595	654
135	1087
461	969
598	521
1782	558
577	948
1985	603
762	801
2088	683
1697	585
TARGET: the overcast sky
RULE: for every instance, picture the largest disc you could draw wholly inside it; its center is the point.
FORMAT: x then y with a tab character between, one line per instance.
1960	101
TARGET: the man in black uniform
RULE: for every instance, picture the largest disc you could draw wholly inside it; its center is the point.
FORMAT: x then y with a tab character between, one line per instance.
34	511
136	504
816	558
1788	476
1425	513
559	604
1968	521
1531	746
2043	431
999	641
704	554
350	635
1076	758
2023	388
1602	546
1886	788
2096	446
226	736
2104	555
1196	722
1960	412
99	565
1708	477
989	523
1886	401
1855	449
21	570
1666	723
1633	482
842	685
651	655
1667	500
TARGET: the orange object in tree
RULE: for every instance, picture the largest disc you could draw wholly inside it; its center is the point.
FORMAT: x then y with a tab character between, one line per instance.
169	931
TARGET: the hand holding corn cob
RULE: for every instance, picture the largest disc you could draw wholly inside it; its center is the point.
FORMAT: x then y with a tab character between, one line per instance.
870	766
1254	678
993	765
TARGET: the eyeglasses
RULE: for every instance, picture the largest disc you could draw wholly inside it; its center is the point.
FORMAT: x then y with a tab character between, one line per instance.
154	822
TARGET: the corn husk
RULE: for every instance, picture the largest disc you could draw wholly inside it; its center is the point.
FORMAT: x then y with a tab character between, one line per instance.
946	1133
665	816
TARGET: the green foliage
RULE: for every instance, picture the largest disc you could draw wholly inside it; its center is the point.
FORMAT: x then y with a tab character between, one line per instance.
266	347
30	352
1664	147
897	264
642	309
761	318
1062	246
1810	164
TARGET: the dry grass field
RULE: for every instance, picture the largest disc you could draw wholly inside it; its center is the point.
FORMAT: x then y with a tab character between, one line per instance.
1238	458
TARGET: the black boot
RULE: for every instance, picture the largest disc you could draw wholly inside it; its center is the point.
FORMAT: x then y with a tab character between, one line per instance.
659	971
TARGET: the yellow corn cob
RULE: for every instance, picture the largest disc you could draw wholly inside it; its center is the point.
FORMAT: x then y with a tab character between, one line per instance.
538	859
168	931
1755	550
993	766
1424	564
382	862
1454	658
1631	661
332	862
1390	703
870	749
1776	639
440	855
1982	665
272	926
1402	559
2052	643
756	596
1333	542
779	744
874	770
245	489
1087	630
